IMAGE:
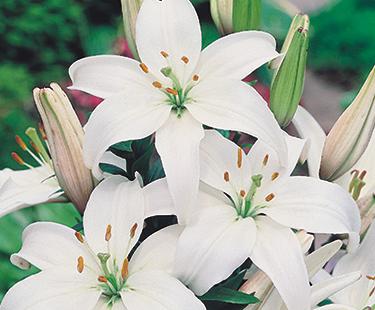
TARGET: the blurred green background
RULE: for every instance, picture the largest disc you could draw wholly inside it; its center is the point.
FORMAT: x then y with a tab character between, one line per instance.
39	39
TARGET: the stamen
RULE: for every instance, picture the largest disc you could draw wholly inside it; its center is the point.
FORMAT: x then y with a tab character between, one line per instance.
79	237
133	230
102	279
80	264
371	292
18	159
21	143
242	193
42	131
185	59
269	197
157	84
372	278
226	176
125	269
239	158
274	176
171	91
164	54
144	68
265	159
33	145
108	233
362	175
195	77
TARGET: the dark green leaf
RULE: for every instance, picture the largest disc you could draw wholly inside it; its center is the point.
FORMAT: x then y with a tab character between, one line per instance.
111	169
235	281
125	146
227	295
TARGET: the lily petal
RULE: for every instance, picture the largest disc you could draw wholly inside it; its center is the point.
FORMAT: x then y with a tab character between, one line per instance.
308	128
23	188
107	75
42	291
157	252
319	207
158	291
135	115
287	271
233	105
177	143
251	49
117	205
48	246
227	243
172	27
336	307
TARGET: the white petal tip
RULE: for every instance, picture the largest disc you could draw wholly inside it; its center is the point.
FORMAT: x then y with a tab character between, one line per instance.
19	262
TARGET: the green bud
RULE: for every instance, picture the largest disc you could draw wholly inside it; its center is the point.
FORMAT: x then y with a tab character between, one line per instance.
289	77
233	16
130	9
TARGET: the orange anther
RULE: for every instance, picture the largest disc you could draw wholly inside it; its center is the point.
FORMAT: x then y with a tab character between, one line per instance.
239	158
79	236
108	233
164	54
80	264
274	176
242	193
133	230
21	143
269	197
265	159
171	91
144	68
195	77
17	158
102	279
125	269
185	59
226	176
157	84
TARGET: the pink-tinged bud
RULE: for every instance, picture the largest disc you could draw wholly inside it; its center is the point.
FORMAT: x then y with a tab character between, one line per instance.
351	134
65	136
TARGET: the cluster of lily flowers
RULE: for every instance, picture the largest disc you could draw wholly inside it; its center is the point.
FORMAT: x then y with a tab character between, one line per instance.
232	204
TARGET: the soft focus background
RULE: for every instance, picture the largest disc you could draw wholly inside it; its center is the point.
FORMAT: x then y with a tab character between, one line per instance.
39	39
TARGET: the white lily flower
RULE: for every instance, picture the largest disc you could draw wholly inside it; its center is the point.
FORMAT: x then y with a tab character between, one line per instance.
256	221
361	294
310	129
175	90
94	271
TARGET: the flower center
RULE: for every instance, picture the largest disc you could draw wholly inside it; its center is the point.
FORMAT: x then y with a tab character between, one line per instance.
177	94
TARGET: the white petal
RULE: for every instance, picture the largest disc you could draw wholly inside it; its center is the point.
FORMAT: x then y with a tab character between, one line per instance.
157	252
104	304
313	205
119	203
158	291
329	287
20	189
219	155
237	55
171	26
57	289
158	200
335	307
120	118
107	75
278	253
212	247
50	245
308	128
230	104
177	143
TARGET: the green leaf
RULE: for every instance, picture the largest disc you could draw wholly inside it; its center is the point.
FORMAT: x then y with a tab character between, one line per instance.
246	15
111	169
228	295
235	281
125	146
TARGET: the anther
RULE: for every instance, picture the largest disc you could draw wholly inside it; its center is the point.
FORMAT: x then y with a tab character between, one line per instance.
35	148
269	197
21	143
265	159
171	91
242	193
42	131
362	175
18	158
133	230
274	176
372	278
80	264
125	269
164	54
185	59
157	84
239	158
108	233
144	67
79	237
226	176
195	77
102	279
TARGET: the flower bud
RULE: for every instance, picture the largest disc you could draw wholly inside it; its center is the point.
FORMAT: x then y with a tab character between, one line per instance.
289	77
130	9
351	134
234	16
65	135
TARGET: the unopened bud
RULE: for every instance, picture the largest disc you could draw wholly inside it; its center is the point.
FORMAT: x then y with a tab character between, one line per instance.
65	135
130	9
351	134
234	16
289	77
